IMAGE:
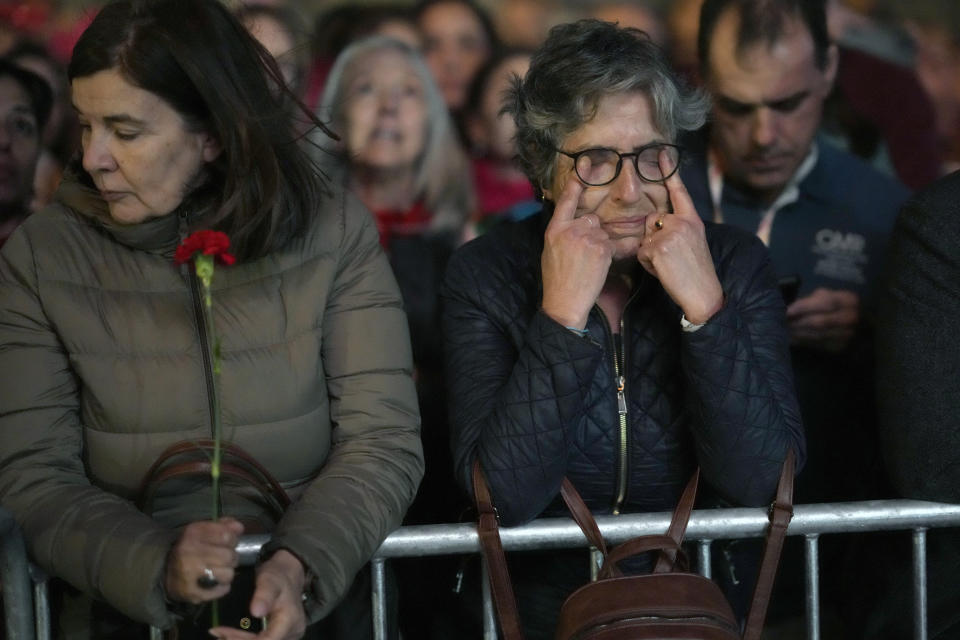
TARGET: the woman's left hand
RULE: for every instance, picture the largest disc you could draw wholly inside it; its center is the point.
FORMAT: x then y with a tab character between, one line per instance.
675	251
278	597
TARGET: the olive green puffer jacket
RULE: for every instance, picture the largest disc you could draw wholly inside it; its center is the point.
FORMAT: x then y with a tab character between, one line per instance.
102	361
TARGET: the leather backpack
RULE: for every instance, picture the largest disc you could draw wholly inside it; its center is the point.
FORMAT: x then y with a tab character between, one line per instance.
671	603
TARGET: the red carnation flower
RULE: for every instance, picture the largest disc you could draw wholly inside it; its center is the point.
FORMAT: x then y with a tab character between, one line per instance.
210	243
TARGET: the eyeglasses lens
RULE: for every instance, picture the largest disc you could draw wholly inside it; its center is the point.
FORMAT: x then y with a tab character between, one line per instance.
599	166
648	162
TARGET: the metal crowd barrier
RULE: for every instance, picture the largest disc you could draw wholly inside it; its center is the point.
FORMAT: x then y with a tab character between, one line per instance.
809	521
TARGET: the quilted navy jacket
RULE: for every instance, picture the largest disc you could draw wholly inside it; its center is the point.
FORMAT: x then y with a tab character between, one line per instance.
536	402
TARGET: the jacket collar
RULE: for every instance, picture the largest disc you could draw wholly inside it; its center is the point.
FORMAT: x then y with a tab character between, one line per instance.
160	235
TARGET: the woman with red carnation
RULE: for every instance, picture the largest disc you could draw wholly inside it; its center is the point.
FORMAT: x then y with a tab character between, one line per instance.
186	128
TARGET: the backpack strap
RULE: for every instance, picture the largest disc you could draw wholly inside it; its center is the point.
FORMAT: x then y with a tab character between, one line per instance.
489	531
582	516
636	546
667	559
781	511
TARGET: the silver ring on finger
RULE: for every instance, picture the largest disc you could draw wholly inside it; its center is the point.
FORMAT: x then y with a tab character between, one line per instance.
589	220
207	580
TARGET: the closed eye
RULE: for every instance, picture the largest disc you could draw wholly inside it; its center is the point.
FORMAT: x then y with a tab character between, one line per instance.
599	155
649	162
25	126
733	107
361	88
790	103
411	90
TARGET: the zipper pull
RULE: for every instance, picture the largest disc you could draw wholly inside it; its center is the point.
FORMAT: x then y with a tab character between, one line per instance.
182	225
182	229
621	397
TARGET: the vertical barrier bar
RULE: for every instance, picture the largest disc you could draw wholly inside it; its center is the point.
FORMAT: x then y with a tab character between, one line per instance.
489	618
156	633
41	607
596	561
703	559
812	576
15	574
378	598
920	584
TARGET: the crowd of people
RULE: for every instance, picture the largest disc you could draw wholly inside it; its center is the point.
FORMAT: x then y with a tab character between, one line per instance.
611	243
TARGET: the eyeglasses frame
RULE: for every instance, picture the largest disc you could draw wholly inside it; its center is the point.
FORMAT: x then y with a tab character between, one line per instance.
636	162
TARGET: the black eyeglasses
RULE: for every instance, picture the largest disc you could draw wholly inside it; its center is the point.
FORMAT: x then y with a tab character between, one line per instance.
597	167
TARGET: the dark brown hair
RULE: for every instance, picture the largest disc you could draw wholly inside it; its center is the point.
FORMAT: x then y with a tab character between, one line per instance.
263	188
764	22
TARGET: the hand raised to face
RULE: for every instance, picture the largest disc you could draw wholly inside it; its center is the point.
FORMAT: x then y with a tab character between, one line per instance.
675	251
576	257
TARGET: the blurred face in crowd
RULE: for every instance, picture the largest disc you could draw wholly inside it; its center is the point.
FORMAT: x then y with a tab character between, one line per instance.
59	110
141	154
768	101
683	23
494	131
385	111
19	146
405	32
938	70
278	42
455	46
623	122
637	16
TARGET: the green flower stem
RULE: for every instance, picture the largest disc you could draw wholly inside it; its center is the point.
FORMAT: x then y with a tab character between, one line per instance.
204	265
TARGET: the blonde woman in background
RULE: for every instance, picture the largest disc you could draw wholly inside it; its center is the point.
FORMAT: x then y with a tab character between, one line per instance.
399	152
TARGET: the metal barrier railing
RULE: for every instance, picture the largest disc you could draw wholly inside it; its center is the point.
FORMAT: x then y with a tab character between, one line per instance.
705	526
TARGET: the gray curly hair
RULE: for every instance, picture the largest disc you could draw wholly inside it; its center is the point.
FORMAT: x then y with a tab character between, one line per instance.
579	64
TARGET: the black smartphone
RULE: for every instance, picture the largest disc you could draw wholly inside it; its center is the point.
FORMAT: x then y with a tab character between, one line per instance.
789	288
234	610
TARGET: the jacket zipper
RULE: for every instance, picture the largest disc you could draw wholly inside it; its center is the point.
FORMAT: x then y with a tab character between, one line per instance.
197	298
204	343
619	371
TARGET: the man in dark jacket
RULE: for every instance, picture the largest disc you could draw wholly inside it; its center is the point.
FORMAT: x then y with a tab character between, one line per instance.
918	388
825	216
616	339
